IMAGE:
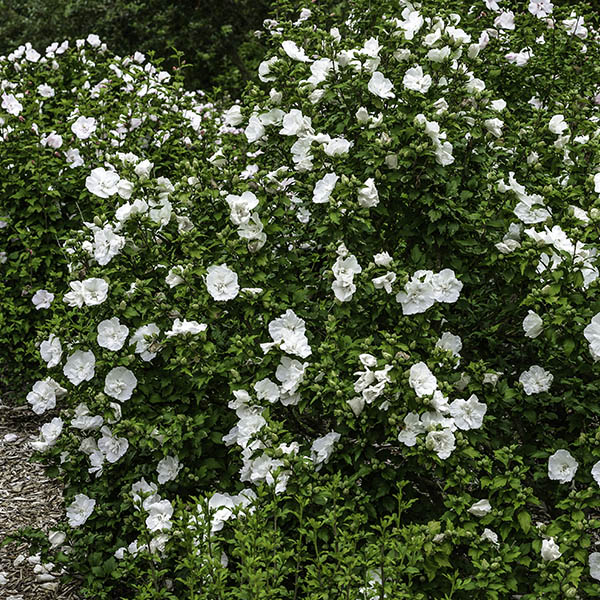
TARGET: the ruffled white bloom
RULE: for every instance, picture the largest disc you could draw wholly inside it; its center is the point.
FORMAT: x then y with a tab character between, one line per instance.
505	20
186	327
159	516
80	366
494	126
540	8
222	282
49	433
574	26
558	125
142	345
468	414
289	332
418	294
536	380
51	351
84	420
446	287
233	116
550	550
112	334
44	394
102	183
324	188
52	140
592	335
322	448
383	259
596	472
143	169
267	390
91	292
415	80
532	324
42	299
413	427
120	383
113	448
11	105
385	281
84	127
441	442
490	536
295	53
594	562
562	466
255	129
241	207
168	468
480	508
422	380
450	342
368	196
380	86
79	511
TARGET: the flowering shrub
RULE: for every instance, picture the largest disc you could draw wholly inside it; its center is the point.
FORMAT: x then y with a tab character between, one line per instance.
354	347
61	112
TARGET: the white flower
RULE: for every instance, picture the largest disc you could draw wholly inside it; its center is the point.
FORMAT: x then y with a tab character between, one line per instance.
112	447
337	146
450	342
414	79
267	390
42	299
222	282
11	105
51	351
383	259
233	116
468	414
84	420
168	469
536	380
494	126
413	427
418	294
368	196
143	169
80	509
111	334
102	183
295	123
480	508
289	331
594	562
562	466
505	20
120	383
185	327
94	291
322	448
597	183
385	281
380	86
596	472
264	69
540	8
93	40
142	346
532	325
84	127
52	140
324	188
241	207
574	26
490	535
446	287
441	442
344	269
49	433
592	335
80	367
174	277
45	90
44	394
295	53
290	373
557	124
159	516
550	550
422	380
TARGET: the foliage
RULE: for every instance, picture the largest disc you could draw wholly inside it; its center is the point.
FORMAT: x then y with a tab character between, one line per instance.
349	348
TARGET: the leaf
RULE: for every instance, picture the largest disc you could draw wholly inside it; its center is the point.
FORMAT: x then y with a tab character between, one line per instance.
524	519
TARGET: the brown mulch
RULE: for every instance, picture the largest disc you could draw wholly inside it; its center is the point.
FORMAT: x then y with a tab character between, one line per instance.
27	499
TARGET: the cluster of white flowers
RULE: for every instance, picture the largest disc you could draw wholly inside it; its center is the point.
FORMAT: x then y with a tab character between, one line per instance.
344	269
425	288
370	384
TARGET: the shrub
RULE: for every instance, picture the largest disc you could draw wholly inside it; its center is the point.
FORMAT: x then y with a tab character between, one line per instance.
365	367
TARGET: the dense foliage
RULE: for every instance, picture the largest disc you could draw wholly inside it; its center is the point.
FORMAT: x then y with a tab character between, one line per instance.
339	340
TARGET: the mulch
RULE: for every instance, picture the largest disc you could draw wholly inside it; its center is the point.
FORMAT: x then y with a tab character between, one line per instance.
28	498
